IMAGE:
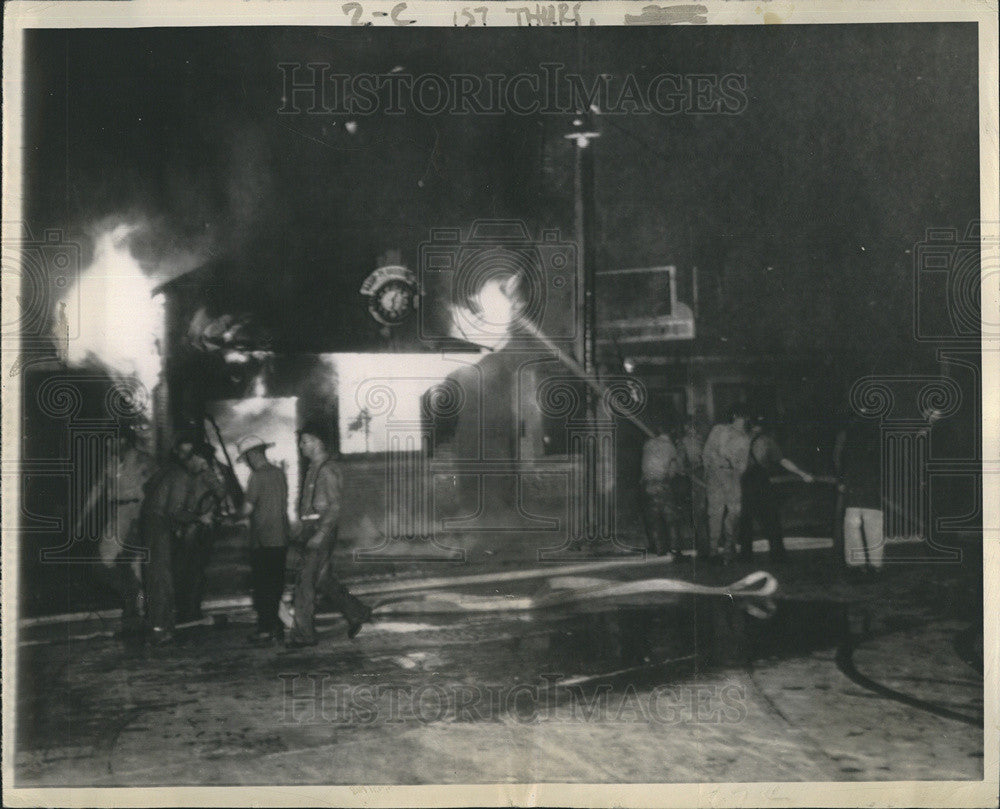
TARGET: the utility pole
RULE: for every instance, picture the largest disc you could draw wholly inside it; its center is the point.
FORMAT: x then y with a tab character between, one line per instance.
583	208
590	518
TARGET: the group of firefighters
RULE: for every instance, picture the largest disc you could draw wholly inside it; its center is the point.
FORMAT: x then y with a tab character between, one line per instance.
719	488
155	551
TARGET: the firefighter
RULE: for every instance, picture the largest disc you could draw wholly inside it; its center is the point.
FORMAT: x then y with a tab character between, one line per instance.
193	541
691	444
760	498
725	457
858	462
661	467
164	514
125	475
266	506
319	513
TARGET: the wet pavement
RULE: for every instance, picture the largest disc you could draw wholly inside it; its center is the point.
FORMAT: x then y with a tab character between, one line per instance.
833	678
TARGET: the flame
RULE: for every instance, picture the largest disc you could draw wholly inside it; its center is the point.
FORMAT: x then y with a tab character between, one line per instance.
121	323
489	323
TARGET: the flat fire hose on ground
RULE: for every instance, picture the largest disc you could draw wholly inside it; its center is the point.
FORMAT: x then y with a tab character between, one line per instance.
573	589
557	591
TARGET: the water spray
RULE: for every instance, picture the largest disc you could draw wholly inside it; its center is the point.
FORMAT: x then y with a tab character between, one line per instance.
499	309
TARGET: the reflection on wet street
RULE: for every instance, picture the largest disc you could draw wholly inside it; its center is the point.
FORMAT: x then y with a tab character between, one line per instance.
659	643
621	689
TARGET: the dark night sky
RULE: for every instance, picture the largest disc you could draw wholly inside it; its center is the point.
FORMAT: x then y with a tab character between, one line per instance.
799	212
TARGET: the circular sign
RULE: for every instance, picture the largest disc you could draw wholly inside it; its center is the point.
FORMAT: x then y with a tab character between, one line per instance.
392	292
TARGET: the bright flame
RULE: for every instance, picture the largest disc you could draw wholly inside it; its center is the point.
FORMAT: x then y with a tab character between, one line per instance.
121	323
490	325
496	307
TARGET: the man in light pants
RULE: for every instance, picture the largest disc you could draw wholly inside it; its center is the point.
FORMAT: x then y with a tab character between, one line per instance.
858	461
725	457
661	468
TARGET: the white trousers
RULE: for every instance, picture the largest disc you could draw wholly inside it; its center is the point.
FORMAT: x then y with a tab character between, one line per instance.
863	539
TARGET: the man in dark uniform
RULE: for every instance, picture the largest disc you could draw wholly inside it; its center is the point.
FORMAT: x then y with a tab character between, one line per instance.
319	512
266	505
760	499
193	541
690	446
165	513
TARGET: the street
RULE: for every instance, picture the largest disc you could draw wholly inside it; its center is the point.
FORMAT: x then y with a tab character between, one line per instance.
829	679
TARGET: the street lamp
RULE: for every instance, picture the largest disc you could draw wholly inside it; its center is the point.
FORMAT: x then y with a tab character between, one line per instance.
582	134
595	464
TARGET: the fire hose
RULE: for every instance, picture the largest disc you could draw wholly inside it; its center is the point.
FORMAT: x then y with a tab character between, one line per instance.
592	381
564	590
